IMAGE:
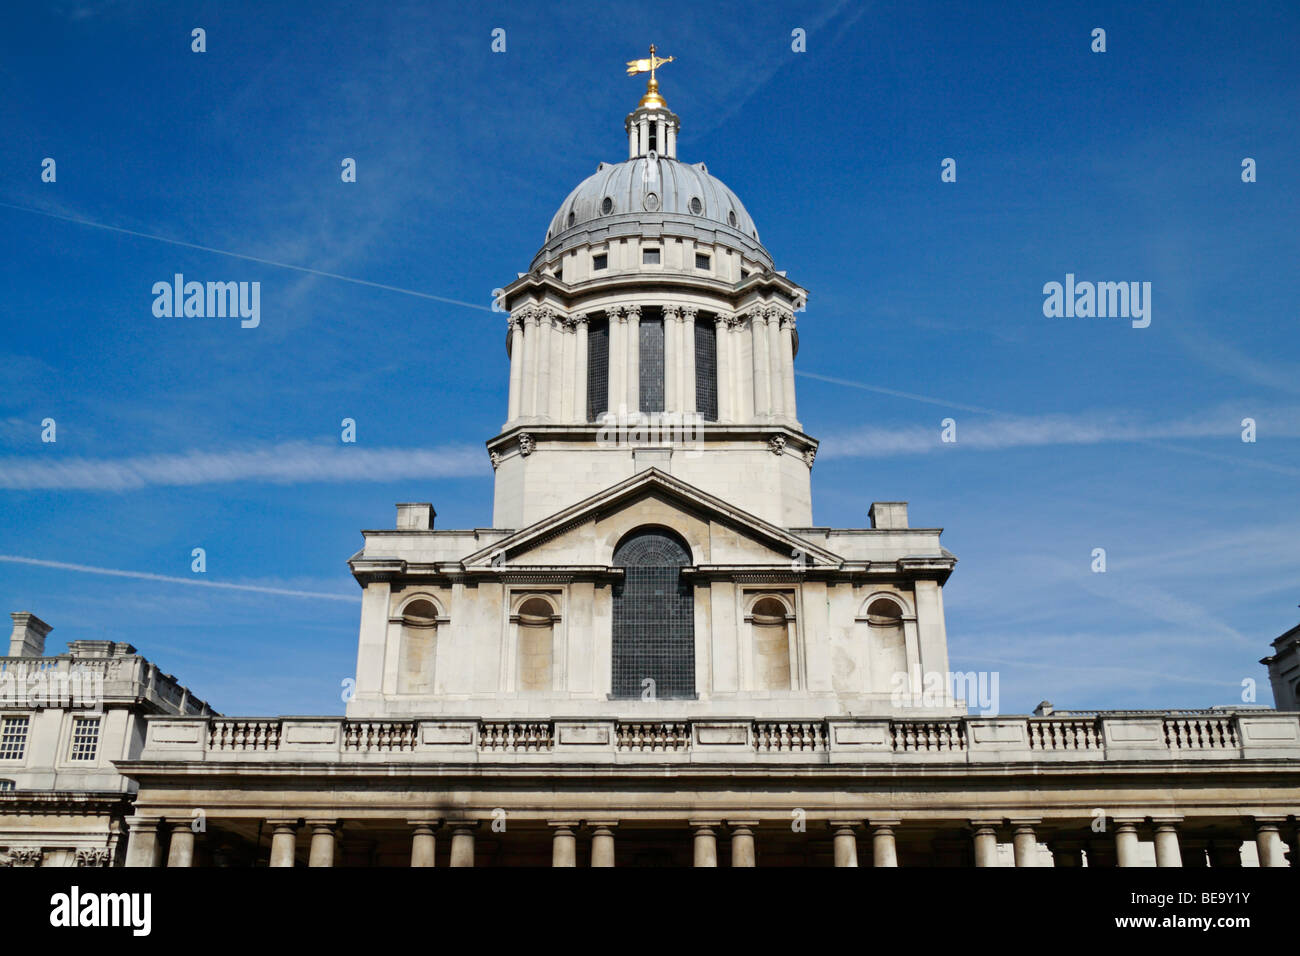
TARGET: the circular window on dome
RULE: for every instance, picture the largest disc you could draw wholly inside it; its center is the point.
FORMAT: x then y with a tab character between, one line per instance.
606	206
697	207
651	202
573	217
731	218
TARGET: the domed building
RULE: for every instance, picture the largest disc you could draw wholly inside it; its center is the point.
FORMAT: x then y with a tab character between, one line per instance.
653	655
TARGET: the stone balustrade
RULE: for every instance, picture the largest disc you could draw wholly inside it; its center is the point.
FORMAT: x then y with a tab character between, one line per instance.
843	740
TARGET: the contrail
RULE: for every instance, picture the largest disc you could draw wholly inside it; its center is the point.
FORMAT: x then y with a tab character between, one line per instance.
897	394
146	576
240	255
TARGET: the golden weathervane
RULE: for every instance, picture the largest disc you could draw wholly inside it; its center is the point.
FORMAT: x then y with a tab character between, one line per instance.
652	97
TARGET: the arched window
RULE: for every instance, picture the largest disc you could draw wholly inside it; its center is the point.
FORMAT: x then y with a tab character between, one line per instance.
887	647
536	620
654	619
418	649
769	625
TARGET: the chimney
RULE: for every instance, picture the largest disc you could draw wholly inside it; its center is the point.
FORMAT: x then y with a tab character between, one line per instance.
1044	709
888	514
415	516
28	638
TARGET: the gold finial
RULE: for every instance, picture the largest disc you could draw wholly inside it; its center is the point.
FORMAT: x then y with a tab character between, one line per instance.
652	99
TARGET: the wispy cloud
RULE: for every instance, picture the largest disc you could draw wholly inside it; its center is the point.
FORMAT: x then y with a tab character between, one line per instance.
194	582
286	463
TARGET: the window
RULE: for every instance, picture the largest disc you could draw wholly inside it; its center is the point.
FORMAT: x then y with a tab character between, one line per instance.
606	206
744	274
706	368
418	652
696	207
650	257
85	738
599	261
597	368
13	738
573	217
650	362
6	785
654	619
887	648
731	218
702	261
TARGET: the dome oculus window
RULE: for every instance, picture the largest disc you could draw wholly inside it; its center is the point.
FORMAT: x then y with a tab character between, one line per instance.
697	207
652	202
606	206
731	218
573	217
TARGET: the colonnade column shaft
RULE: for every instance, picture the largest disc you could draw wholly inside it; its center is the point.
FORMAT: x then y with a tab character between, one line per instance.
846	841
1168	853
142	847
561	370
670	149
631	140
542	359
884	851
688	357
775	362
742	842
181	850
423	842
602	843
1126	843
323	840
579	384
516	367
564	844
758	345
643	142
1268	841
462	843
986	842
528	380
1024	843
284	841
616	361
672	359
787	362
633	385
726	389
706	842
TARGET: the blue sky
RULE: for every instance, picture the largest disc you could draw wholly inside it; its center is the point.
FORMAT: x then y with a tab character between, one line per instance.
926	303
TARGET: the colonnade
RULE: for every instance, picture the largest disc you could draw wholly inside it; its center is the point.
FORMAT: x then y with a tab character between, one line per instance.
1118	846
754	363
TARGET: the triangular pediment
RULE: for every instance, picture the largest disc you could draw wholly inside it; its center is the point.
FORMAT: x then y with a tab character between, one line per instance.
718	533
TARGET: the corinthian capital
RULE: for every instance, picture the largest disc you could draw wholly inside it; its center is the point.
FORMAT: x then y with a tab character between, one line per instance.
689	312
633	312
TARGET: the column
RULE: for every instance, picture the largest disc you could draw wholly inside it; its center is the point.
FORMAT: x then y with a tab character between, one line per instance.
323	838
528	374
542	358
643	142
722	338
516	367
1167	850
1126	843
706	842
672	359
775	363
580	368
688	313
617	361
884	852
846	841
181	851
142	847
986	841
1024	843
462	843
633	340
631	140
742	842
564	845
602	843
670	149
758	346
423	842
1268	840
561	372
284	841
787	361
